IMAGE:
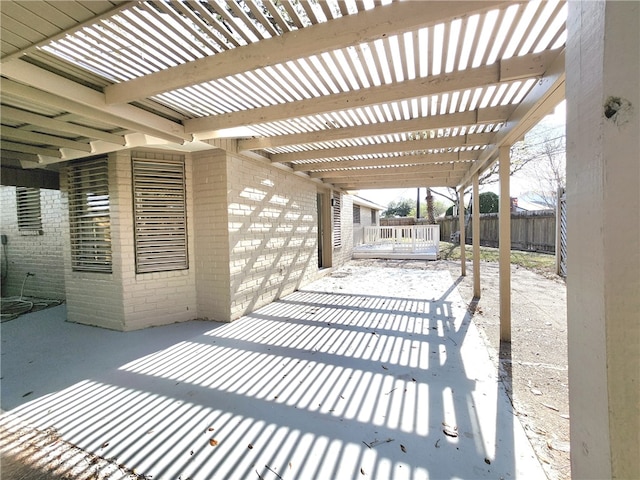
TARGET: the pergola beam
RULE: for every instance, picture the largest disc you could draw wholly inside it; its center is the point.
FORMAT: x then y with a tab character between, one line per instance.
414	182
30	149
415	169
459	141
37	84
449	120
423	159
528	66
339	33
539	102
57	125
42	138
352	179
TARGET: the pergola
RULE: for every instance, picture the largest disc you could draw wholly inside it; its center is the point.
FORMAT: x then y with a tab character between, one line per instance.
356	94
359	94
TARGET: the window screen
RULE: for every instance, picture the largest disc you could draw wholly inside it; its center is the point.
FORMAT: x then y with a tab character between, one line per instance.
28	207
160	215
89	216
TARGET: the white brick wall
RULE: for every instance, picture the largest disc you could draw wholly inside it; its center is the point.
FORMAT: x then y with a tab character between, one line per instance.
152	298
211	239
252	236
94	298
124	300
38	254
272	222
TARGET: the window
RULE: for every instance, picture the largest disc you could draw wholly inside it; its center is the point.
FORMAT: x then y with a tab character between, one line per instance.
374	220
159	215
28	208
356	214
89	216
337	223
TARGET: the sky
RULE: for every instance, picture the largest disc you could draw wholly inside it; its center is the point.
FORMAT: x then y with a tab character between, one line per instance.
520	182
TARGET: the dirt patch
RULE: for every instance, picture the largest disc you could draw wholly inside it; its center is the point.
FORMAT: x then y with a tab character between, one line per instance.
533	367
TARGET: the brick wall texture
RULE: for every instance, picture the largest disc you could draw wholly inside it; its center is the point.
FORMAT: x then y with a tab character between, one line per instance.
273	233
252	238
37	254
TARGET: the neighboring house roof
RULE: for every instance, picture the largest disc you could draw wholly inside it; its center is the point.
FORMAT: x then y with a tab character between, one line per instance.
524	206
533	201
367	203
356	94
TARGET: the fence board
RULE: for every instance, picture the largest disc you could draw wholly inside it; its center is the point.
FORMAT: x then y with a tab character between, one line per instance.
530	231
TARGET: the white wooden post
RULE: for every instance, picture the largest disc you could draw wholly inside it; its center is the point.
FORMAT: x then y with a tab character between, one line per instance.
475	224
463	253
505	244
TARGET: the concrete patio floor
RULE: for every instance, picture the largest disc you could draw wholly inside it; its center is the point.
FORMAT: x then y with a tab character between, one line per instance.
355	376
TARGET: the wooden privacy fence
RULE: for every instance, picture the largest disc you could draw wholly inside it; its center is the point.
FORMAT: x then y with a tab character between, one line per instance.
535	231
529	231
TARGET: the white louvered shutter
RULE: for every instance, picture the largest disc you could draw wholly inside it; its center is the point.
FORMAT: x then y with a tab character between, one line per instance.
89	216
28	208
337	221
160	215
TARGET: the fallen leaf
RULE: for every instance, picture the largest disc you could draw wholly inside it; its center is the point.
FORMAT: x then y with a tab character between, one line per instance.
362	471
559	446
105	445
385	367
290	466
27	394
438	443
213	442
487	461
403	448
210	429
250	447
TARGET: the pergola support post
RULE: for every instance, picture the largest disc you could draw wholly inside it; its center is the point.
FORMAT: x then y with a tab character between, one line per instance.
603	236
505	244
475	225
463	256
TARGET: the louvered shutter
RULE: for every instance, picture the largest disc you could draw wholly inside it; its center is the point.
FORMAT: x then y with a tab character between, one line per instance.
28	207
89	216
160	215
337	222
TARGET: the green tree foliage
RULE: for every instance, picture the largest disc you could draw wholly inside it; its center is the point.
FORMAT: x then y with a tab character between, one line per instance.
400	208
489	202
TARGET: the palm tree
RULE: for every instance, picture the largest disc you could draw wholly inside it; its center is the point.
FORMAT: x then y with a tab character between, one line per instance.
430	216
